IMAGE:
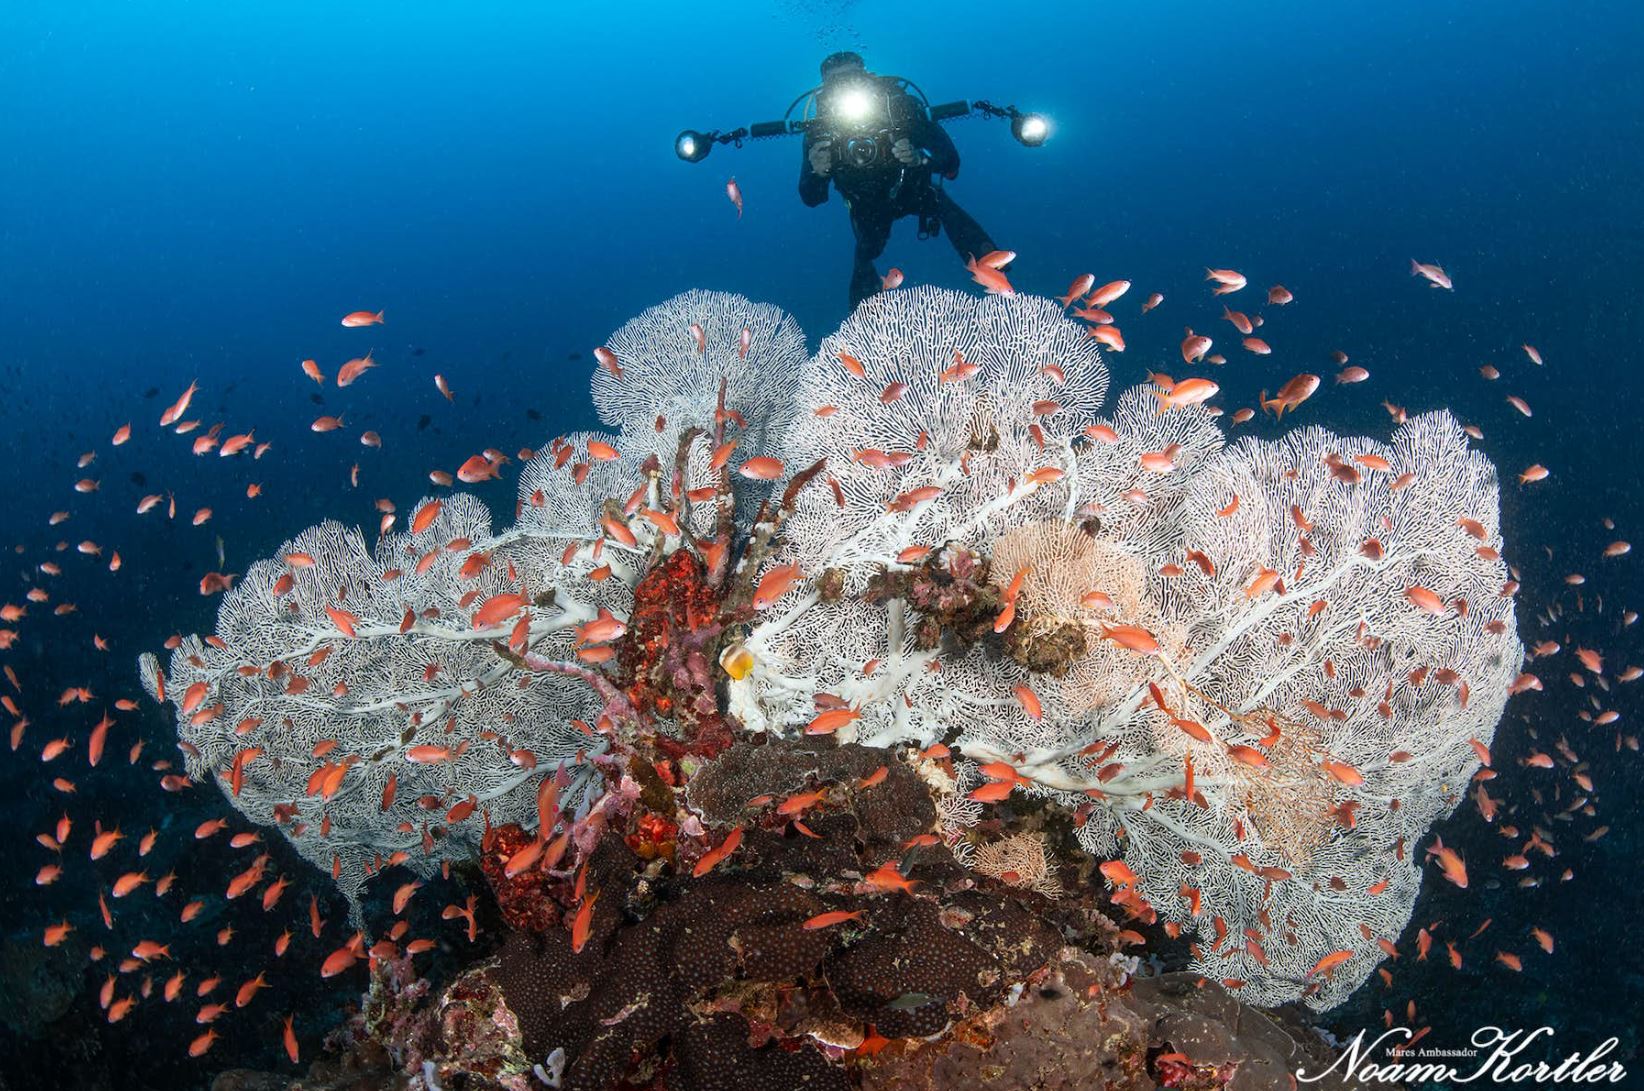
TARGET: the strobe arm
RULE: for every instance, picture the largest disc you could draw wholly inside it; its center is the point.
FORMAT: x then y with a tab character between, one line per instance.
693	146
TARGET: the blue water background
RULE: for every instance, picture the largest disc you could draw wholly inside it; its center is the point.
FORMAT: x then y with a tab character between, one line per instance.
199	191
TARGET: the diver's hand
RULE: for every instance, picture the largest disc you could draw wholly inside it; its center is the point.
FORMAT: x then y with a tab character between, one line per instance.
822	157
906	154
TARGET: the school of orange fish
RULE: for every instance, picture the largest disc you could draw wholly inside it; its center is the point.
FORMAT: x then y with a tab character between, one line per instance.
138	969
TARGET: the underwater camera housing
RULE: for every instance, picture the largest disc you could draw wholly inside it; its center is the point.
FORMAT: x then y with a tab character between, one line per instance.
864	117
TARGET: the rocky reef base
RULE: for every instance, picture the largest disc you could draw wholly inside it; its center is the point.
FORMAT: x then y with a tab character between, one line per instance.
842	946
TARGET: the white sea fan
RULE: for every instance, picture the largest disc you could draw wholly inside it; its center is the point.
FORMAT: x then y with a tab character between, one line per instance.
960	401
285	692
1285	635
668	384
1256	669
563	496
1372	680
963	394
1134	502
337	668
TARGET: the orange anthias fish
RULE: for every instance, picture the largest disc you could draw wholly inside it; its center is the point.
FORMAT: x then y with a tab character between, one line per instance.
1450	862
1329	962
580	924
1119	873
1133	637
1424	599
1107	293
1434	275
353	369
989	277
497	609
888	877
826	723
712	858
128	882
608	360
828	920
993	792
733	193
1079	287
179	407
1109	336
355	319
249	990
402	896
1290	395
343	620
425	516
762	468
801	802
477	468
524	858
605	627
774	584
1194	346
339	960
1186	392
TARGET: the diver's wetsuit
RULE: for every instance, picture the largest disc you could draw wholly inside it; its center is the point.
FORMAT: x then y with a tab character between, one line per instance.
879	195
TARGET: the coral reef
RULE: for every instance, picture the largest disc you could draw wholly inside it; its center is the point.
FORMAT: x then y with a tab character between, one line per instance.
1251	674
1082	1025
728	958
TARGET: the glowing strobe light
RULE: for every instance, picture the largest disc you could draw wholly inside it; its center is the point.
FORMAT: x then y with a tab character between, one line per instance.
1030	129
692	146
853	105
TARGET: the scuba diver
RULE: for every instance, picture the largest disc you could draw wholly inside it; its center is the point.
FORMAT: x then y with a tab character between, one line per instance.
876	143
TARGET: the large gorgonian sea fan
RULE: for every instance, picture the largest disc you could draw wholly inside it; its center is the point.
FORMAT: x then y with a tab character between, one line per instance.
1254	670
1265	664
336	661
675	361
350	696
